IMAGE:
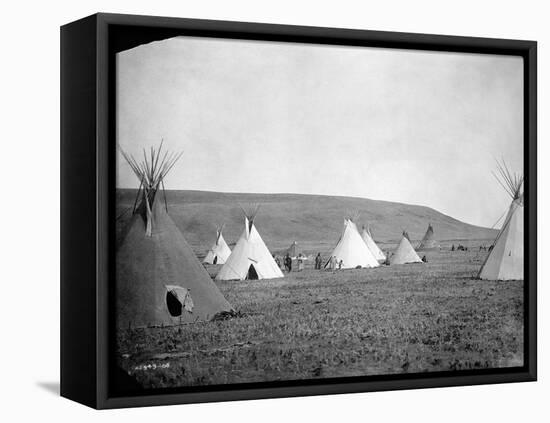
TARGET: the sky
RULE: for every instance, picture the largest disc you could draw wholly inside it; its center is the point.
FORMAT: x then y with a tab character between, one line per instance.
409	126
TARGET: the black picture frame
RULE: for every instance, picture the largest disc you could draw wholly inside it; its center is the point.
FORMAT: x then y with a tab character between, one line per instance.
87	203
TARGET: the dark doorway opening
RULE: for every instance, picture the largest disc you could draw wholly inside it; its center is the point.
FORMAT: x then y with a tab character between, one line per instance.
252	274
215	260
173	304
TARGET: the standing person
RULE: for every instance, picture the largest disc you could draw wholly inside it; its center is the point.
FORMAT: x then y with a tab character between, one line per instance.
318	261
333	263
300	262
340	264
288	263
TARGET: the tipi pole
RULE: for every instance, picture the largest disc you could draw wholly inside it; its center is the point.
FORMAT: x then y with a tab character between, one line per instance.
164	195
137	195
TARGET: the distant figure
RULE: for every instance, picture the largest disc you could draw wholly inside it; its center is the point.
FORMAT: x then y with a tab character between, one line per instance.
278	261
453	248
318	261
340	264
288	263
333	263
300	262
424	258
387	261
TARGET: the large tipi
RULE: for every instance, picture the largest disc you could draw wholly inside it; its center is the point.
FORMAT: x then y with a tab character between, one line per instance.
250	258
352	250
405	252
220	251
159	280
374	249
505	261
428	242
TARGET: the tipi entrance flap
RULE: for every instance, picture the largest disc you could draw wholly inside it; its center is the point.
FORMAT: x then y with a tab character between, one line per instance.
252	273
178	299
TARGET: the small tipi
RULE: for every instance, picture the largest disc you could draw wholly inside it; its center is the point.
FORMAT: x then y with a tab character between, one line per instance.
352	250
428	242
505	261
405	252
159	280
220	251
250	258
374	249
293	250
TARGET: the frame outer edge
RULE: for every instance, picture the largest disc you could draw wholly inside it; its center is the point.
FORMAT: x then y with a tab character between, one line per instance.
424	41
103	179
532	229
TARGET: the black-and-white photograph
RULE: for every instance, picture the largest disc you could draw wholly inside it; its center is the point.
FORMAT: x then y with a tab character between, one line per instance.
290	211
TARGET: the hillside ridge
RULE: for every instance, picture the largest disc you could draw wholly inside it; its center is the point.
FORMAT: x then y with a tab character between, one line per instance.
314	221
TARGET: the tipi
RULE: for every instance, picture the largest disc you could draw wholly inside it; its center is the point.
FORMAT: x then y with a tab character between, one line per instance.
220	251
293	250
428	242
159	280
405	252
374	249
352	250
505	261
250	258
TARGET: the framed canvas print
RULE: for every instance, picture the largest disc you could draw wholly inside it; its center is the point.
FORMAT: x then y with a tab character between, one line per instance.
254	211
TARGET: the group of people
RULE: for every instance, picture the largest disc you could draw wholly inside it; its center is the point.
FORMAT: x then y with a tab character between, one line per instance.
287	262
334	263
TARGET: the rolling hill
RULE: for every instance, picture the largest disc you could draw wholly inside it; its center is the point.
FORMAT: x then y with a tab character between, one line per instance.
314	221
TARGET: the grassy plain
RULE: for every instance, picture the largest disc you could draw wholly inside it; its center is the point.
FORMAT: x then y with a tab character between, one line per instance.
318	324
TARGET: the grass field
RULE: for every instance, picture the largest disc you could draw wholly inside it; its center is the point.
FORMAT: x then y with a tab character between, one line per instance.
319	324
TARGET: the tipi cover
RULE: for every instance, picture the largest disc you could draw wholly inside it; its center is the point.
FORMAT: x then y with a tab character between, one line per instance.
156	268
505	261
374	249
428	242
250	258
219	252
405	252
352	250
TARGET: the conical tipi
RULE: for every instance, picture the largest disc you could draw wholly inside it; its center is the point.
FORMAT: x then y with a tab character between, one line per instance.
159	280
428	242
250	258
352	250
220	251
374	249
505	261
405	252
293	250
